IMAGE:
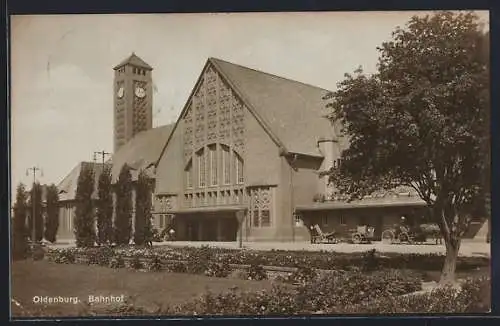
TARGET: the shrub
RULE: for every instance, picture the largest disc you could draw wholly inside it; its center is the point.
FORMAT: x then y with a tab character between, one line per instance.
198	261
177	267
155	235
19	231
473	297
135	263
256	272
239	273
349	288
302	275
104	207
218	269
99	255
64	256
52	213
476	293
370	261
155	264
117	262
38	253
331	292
84	211
104	256
278	300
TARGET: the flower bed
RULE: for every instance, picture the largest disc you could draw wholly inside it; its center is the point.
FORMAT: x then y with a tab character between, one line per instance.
201	260
357	283
474	296
346	293
336	289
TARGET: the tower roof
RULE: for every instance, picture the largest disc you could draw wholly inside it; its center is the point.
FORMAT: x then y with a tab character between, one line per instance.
134	60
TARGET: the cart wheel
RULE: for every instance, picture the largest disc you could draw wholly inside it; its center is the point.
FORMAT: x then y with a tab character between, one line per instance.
356	238
388	237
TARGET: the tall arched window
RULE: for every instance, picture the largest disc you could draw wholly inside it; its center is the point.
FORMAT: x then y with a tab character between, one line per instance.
201	168
189	175
226	165
238	169
213	164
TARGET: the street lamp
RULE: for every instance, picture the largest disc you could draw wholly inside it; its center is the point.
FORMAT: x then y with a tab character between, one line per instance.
103	154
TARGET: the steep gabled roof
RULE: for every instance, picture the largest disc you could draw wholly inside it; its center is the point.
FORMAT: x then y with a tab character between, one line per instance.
294	111
134	60
141	152
291	112
67	187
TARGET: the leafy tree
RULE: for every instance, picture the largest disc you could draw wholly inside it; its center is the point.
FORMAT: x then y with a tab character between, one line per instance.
143	228
105	208
36	212
52	217
19	231
422	120
84	213
123	218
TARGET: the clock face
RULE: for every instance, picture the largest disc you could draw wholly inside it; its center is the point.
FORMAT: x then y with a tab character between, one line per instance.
140	92
120	92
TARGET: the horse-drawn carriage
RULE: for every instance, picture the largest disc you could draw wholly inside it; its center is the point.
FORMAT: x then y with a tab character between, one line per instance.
416	235
318	236
362	234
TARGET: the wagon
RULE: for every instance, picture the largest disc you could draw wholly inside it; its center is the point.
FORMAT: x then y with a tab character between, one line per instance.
363	234
322	237
404	234
396	234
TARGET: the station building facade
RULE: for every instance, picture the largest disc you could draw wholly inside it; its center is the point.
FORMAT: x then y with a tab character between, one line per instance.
246	159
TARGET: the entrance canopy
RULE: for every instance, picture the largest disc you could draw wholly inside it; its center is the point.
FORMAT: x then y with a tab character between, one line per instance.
364	203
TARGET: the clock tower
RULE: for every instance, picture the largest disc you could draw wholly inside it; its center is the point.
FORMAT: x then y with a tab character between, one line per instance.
133	100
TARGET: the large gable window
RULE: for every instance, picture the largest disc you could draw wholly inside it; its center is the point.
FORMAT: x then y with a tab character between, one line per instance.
200	155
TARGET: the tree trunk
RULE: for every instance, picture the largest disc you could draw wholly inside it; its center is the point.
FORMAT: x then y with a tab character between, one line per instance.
450	261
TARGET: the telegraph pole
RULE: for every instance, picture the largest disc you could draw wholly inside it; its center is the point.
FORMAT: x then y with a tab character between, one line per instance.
33	170
103	155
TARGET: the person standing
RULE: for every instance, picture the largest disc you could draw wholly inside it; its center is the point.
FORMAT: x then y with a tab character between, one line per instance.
171	234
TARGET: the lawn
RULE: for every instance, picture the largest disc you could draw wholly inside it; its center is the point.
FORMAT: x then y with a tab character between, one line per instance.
146	289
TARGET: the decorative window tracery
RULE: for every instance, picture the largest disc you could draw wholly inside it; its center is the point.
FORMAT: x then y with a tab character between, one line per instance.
215	114
261	206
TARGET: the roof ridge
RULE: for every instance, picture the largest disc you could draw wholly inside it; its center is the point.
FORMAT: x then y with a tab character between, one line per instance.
269	74
79	164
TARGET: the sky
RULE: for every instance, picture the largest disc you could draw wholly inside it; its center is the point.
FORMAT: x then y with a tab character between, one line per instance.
62	76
